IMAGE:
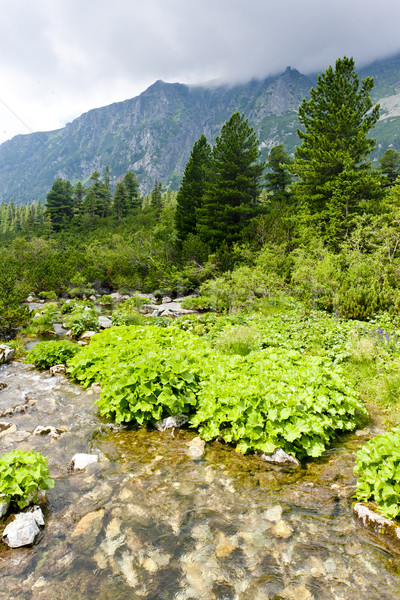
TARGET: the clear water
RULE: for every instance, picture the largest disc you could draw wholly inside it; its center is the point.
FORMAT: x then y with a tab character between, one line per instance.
149	522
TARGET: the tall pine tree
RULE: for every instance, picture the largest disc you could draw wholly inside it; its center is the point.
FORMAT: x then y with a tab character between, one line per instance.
334	175
231	196
191	191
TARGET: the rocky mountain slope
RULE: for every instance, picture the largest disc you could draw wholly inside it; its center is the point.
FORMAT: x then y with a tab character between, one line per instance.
154	133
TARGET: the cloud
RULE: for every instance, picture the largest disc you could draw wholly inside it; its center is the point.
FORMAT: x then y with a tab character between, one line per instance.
59	58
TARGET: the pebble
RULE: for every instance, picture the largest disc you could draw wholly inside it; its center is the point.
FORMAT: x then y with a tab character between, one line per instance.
274	513
282	530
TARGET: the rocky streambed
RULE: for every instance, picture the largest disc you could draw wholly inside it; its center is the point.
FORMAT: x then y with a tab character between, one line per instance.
150	521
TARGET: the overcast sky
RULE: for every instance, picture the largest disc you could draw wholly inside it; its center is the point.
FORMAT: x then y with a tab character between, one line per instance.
60	58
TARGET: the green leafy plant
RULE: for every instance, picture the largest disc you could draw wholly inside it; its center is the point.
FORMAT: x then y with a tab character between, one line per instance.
47	354
44	320
269	399
51	295
378	470
23	474
82	318
106	299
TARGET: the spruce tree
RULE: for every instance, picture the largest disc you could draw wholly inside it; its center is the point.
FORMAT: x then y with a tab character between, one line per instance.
59	204
389	166
231	196
191	191
334	176
132	191
120	201
278	176
156	202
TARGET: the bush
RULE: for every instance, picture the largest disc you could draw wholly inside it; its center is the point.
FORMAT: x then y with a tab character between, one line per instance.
378	468
48	295
44	320
82	318
268	399
47	354
23	474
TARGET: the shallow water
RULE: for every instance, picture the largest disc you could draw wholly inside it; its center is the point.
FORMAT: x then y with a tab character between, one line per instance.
149	522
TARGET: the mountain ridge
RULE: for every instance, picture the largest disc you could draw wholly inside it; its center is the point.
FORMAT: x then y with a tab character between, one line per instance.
153	133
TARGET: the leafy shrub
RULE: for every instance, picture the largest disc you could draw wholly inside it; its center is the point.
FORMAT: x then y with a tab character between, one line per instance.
82	319
145	373
277	399
122	317
48	295
268	399
23	474
69	305
378	468
106	299
44	320
47	354
238	340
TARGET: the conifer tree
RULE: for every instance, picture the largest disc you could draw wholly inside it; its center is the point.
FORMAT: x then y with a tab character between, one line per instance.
278	176
120	201
156	203
231	196
191	191
389	166
132	191
59	203
334	176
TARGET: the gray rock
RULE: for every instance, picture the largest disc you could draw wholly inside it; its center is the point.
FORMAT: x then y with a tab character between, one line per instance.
87	335
4	506
104	322
172	422
280	457
58	370
49	430
81	461
6	353
24	529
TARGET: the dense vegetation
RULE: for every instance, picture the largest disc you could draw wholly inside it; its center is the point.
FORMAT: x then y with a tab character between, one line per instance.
322	226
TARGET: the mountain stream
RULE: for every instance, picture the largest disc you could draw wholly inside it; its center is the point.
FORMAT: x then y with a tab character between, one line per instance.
147	521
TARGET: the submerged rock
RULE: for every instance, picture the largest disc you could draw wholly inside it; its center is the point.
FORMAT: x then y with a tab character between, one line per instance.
280	457
196	448
24	529
172	422
79	462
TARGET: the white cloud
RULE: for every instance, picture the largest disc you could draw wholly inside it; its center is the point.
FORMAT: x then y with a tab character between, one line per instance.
59	58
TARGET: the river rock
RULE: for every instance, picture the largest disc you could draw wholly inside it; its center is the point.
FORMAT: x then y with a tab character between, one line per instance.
282	530
86	335
377	523
4	506
280	457
24	529
49	430
79	462
196	448
58	370
6	353
104	322
172	422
